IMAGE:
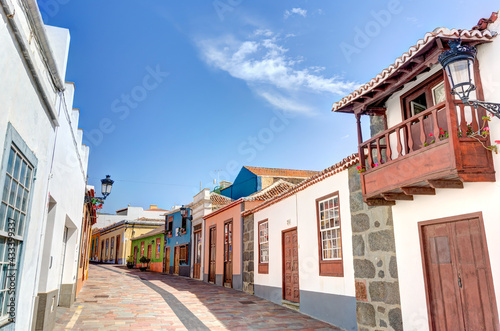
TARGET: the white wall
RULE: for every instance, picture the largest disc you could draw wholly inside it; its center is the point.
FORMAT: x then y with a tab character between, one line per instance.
474	197
132	213
300	209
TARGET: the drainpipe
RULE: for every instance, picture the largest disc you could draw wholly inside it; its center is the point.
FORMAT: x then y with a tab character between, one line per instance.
38	30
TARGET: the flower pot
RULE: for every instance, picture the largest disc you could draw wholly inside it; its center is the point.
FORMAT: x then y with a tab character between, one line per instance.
130	265
143	268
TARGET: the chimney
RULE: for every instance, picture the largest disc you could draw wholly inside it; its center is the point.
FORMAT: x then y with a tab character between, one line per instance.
153	206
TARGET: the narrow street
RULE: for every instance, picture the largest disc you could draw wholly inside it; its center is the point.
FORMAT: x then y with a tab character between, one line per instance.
116	298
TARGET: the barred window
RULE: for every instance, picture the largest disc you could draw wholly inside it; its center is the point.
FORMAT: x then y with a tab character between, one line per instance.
13	214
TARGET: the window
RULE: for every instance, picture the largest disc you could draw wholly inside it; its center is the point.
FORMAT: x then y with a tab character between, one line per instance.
158	247
107	245
428	94
263	247
142	248
329	236
170	226
18	177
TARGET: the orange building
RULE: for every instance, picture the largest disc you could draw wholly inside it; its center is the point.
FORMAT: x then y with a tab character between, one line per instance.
88	219
223	261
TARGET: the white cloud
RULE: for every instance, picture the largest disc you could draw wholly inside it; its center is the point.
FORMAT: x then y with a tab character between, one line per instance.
285	103
264	62
297	11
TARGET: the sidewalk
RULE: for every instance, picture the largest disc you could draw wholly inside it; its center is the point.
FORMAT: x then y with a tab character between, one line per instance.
116	298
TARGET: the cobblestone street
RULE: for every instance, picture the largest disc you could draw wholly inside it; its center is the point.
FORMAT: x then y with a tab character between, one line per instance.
115	298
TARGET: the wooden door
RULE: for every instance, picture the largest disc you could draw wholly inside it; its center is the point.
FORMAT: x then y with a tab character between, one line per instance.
291	290
135	255
117	248
176	260
459	284
166	260
197	255
211	254
228	254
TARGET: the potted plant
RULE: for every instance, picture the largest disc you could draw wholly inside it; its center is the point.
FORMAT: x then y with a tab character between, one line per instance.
144	260
130	262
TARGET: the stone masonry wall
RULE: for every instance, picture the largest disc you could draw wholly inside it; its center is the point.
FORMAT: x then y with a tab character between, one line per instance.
375	268
248	254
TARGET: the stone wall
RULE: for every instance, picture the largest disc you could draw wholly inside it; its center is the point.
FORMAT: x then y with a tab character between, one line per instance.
375	268
248	254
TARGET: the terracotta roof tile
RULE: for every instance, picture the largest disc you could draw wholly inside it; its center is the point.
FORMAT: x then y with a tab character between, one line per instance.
219	200
334	169
259	171
466	35
271	191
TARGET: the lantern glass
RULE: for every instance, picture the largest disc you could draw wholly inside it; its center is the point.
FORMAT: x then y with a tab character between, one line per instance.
106	185
183	211
461	77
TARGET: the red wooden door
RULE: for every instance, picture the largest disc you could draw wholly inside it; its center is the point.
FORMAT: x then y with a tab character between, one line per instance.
458	276
197	255
228	254
211	255
291	290
135	255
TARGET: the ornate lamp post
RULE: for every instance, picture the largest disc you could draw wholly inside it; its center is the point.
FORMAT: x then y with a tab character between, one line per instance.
458	64
106	185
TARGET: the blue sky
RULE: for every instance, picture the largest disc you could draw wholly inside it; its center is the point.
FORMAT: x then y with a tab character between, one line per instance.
171	91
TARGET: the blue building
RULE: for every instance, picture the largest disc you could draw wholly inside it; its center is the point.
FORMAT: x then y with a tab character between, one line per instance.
177	241
253	179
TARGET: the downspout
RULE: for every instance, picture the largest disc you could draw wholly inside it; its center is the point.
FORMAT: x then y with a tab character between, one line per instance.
37	28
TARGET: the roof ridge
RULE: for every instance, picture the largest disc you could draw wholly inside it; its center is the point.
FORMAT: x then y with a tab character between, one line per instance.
280	168
339	166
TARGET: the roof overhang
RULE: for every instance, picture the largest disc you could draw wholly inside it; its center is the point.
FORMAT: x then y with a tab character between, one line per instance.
419	58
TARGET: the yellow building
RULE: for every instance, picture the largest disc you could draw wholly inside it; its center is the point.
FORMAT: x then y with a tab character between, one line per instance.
114	241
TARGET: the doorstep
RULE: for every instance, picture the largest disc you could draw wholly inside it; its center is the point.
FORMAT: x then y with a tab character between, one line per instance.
291	304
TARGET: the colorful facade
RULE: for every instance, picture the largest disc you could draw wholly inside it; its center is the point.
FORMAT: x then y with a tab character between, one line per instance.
115	240
149	245
176	249
223	262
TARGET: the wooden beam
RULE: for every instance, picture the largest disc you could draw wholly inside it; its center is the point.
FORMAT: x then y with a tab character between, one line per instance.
446	183
418	190
397	196
380	202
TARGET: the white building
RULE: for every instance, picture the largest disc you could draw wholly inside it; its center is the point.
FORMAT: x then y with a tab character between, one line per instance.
203	204
128	214
303	247
440	182
42	171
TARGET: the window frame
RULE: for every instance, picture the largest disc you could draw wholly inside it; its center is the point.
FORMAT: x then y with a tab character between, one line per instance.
14	140
157	248
263	267
426	87
330	268
170	226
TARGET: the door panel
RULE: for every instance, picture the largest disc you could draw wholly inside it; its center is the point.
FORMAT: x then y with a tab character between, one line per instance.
211	265
166	258
291	290
228	254
197	255
176	260
458	276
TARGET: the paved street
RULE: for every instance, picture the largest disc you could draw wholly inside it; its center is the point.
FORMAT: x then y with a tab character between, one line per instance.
115	298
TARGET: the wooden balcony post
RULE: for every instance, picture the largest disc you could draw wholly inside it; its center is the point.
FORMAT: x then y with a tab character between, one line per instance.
361	151
451	115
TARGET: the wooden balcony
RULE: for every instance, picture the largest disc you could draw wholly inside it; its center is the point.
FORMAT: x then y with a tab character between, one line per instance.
429	151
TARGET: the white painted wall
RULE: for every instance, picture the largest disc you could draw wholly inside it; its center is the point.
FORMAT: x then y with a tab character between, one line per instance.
300	209
475	197
201	206
130	214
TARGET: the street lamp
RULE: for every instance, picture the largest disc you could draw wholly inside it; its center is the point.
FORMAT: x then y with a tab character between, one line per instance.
106	185
458	64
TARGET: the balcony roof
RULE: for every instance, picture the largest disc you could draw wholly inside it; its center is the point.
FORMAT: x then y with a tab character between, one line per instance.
386	80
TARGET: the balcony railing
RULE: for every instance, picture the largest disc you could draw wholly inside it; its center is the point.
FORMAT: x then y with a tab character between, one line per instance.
427	151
